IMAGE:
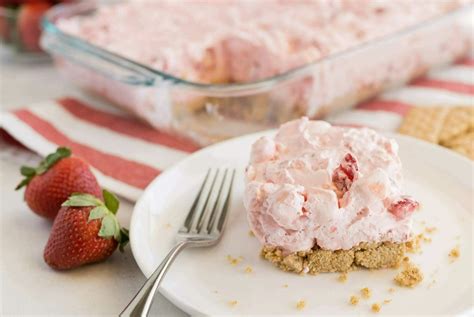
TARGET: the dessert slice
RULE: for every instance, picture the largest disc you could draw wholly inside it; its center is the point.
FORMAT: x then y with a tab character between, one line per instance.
326	199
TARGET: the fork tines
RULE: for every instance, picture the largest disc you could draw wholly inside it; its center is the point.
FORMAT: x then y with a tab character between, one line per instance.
209	210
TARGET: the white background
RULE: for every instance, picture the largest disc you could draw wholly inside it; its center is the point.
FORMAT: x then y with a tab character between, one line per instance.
28	285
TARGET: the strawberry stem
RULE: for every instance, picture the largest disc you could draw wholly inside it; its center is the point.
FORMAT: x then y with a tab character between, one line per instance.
30	172
105	212
82	200
124	239
111	201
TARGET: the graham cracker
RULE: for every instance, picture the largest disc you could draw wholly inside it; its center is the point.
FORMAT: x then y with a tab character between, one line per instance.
452	127
365	255
458	121
424	123
463	144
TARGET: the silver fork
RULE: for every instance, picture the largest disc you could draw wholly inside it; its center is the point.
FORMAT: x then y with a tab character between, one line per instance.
202	227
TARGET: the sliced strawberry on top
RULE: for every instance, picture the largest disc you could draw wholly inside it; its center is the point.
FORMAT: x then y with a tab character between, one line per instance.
403	207
52	182
344	175
85	231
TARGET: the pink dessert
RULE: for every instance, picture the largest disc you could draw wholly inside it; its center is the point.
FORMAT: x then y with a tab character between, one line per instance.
317	186
240	41
347	51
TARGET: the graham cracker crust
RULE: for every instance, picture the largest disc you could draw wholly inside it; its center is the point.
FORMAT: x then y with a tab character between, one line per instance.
365	255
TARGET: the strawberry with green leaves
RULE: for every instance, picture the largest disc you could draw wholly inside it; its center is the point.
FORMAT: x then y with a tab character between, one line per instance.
52	182
86	230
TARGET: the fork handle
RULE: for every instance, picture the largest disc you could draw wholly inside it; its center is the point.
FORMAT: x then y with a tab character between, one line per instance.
141	303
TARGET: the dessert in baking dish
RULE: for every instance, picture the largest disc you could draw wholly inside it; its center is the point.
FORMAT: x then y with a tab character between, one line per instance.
243	41
244	66
326	199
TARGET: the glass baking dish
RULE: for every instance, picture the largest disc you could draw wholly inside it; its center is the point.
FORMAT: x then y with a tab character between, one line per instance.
208	113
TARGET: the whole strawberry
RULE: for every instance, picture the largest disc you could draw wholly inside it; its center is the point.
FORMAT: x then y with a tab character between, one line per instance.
86	230
54	180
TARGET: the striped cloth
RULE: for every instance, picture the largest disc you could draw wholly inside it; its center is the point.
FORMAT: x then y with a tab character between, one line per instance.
127	155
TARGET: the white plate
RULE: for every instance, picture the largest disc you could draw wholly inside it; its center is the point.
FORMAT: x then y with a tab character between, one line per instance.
202	281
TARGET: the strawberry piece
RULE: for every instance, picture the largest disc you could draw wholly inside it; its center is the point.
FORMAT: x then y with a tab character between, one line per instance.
54	180
403	207
85	231
28	23
344	175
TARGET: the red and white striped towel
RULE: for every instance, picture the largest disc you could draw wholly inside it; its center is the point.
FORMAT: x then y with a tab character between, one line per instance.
126	155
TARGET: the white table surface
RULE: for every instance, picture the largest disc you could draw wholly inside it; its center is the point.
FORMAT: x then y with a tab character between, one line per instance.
28	285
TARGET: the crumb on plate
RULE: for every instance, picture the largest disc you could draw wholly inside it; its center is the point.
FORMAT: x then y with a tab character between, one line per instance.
366	293
454	253
409	277
430	229
434	272
342	277
248	269
354	300
232	303
375	307
387	301
391	290
300	305
251	233
234	261
414	246
285	285
432	283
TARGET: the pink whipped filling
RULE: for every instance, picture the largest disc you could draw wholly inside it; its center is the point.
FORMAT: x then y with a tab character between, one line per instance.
215	41
315	184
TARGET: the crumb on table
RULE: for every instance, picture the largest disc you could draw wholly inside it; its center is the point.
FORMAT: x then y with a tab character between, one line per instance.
342	277
354	300
375	307
366	293
454	253
409	277
300	305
